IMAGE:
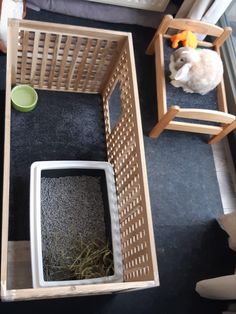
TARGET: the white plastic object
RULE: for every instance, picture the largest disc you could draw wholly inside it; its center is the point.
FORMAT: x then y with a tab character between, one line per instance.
9	9
35	221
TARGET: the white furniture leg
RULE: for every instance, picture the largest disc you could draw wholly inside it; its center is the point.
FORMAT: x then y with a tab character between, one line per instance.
219	288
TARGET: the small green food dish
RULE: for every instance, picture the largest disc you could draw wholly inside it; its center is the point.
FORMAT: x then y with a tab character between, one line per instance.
24	98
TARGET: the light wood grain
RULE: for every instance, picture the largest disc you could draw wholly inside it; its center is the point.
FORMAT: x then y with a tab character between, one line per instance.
11	69
193	127
74	291
225	131
47	56
19	265
196	26
126	154
206	115
164	121
218	42
160	81
44	60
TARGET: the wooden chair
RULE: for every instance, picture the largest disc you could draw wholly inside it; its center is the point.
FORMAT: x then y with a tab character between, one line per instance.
218	122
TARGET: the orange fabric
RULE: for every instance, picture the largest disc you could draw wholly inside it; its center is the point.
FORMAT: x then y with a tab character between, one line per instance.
187	38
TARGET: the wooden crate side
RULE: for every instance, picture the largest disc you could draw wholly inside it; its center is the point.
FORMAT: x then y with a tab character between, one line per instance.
19	285
126	154
196	26
55	58
74	291
72	30
10	76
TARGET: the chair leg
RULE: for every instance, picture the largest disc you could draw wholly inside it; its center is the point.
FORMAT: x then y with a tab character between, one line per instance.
164	121
226	130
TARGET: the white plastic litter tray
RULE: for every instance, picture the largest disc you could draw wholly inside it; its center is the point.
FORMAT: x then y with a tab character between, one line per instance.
35	221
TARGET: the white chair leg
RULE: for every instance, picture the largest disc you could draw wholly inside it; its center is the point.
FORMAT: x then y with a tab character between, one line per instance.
219	288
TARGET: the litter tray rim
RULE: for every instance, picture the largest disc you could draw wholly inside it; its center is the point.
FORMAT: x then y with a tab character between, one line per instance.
35	215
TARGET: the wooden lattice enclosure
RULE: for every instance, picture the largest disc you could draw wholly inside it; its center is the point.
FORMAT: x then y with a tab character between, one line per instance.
77	59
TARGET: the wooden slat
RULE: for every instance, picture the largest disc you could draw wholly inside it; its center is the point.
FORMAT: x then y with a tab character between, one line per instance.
24	56
44	60
33	56
221	97
71	30
193	127
81	67
73	62
206	115
13	46
63	62
101	64
225	131
54	59
164	121
196	26
218	42
91	65
19	265
6	157
160	80
72	291
221	94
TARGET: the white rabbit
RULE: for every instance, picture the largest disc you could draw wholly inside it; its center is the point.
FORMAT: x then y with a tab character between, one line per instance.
195	70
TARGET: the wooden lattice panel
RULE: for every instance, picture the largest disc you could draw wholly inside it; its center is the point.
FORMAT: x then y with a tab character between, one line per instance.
124	153
78	62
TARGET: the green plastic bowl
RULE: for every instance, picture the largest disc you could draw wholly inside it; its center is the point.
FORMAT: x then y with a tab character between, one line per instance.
24	98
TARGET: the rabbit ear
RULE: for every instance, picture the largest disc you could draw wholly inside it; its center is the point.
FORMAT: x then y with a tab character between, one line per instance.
182	73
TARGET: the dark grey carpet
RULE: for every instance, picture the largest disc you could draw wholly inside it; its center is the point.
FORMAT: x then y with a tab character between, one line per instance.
63	126
185	201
